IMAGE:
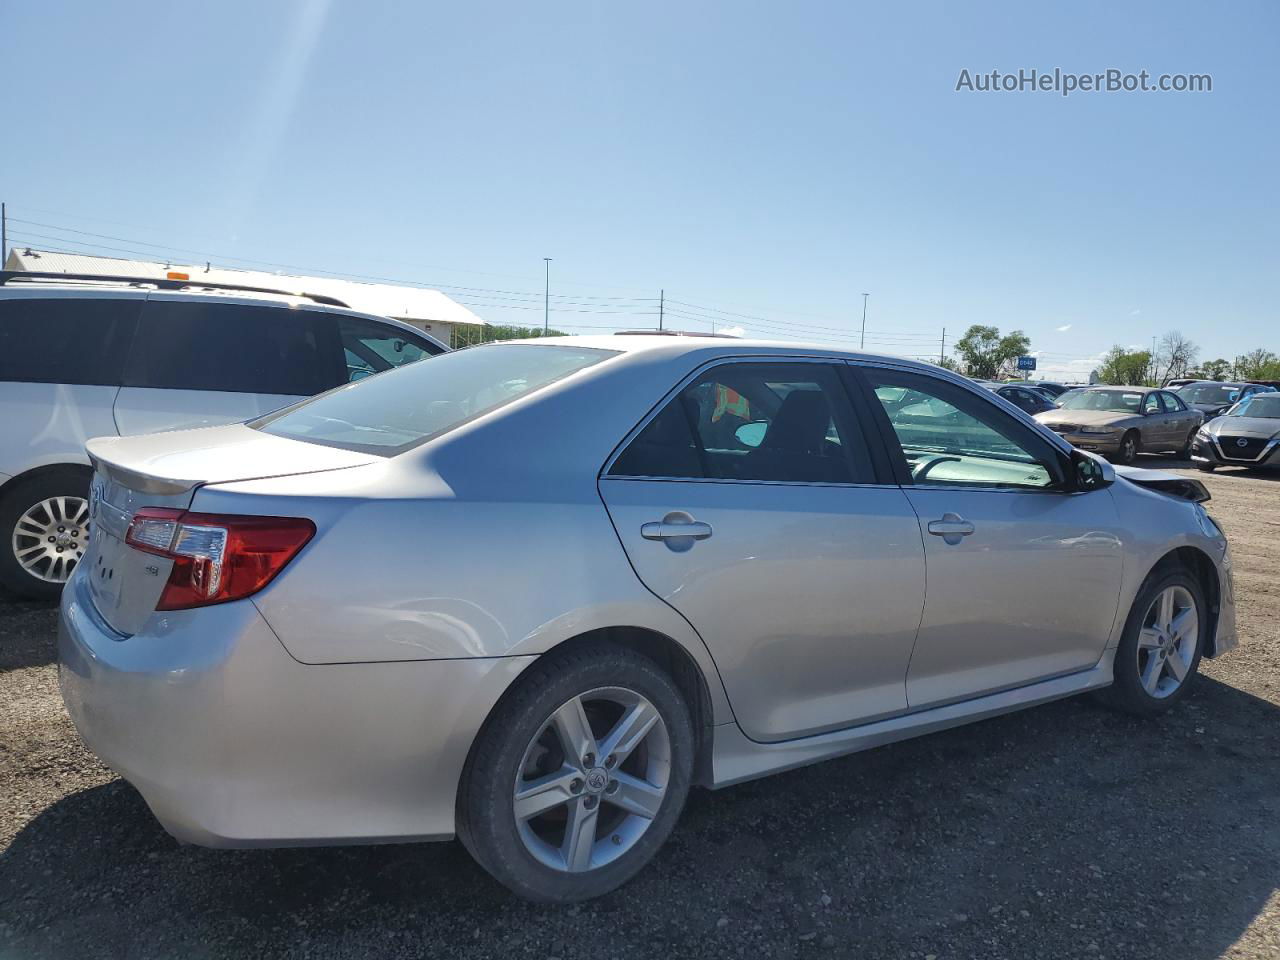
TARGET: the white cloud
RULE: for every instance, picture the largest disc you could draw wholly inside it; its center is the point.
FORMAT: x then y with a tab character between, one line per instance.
731	331
1134	312
1064	328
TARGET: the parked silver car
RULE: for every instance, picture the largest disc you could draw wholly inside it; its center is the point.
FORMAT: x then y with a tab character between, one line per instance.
530	593
1247	435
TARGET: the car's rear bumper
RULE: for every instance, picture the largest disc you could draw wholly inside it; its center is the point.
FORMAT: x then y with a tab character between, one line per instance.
1215	453
232	742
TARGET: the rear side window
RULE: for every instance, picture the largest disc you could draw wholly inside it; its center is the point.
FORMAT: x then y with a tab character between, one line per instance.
66	339
184	345
389	414
772	422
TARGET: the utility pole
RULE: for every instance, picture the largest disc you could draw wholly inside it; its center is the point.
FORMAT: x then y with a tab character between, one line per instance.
1154	368
942	350
662	303
863	342
546	301
4	237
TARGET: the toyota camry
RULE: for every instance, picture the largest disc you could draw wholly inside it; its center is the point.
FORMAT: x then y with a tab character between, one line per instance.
529	594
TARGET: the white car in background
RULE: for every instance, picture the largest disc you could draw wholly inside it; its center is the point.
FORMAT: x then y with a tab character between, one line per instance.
83	357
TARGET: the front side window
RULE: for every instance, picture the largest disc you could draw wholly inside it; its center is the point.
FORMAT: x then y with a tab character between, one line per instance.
950	437
370	347
215	345
389	414
1151	403
771	422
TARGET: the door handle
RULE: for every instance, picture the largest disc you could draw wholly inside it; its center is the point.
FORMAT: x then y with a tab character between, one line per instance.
951	528
678	530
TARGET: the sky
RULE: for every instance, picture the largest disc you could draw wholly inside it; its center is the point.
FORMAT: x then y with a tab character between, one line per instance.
762	165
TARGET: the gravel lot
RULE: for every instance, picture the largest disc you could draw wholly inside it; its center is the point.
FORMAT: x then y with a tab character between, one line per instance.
1062	831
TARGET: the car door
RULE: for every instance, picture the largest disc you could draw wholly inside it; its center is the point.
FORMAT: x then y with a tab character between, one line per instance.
750	503
1181	419
1023	577
202	361
1152	427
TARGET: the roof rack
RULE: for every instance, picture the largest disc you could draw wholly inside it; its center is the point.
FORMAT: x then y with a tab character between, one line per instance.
165	283
673	333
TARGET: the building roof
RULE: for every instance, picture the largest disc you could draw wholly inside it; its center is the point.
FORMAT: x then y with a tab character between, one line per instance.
385	299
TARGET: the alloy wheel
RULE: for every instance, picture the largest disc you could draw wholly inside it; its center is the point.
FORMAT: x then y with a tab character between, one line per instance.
592	780
51	536
1167	641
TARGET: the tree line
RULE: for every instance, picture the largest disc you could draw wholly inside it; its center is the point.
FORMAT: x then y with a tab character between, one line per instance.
986	354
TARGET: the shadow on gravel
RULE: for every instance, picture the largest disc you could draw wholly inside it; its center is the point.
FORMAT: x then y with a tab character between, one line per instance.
1062	831
28	632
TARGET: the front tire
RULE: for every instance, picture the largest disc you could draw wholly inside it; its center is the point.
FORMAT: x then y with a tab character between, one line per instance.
44	531
579	776
1128	451
1207	467
1159	653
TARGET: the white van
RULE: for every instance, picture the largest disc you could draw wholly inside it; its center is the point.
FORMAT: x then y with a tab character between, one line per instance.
82	358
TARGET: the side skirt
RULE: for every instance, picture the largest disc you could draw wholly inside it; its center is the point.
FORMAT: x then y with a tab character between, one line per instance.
737	758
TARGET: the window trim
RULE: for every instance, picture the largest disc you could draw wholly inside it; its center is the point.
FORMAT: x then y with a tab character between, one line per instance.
837	366
898	460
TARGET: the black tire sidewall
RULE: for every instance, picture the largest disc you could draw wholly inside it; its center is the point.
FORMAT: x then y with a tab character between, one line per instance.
20	497
1121	457
1127	691
486	823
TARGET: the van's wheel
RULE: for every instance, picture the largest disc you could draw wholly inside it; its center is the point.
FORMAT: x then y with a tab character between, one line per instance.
1160	650
44	531
1128	451
579	776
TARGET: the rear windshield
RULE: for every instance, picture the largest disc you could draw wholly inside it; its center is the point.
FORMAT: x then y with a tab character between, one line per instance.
402	408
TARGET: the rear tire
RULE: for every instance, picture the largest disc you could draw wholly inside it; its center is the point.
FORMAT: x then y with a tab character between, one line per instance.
21	515
523	761
1163	640
1207	467
1184	452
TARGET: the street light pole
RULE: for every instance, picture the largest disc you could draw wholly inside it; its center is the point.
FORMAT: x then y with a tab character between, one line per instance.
546	301
863	342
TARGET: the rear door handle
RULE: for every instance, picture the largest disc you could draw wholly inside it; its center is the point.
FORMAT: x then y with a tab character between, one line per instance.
951	528
677	529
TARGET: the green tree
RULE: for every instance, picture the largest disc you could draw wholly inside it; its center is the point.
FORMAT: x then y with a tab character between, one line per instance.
1213	370
987	355
1258	364
949	363
1124	368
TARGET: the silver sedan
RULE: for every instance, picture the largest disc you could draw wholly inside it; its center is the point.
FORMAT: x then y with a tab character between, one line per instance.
529	594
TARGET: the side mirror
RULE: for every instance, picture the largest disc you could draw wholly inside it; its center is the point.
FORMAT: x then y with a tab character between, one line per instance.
1090	471
752	434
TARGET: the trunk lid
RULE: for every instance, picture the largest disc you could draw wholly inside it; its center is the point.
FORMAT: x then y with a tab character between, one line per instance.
165	470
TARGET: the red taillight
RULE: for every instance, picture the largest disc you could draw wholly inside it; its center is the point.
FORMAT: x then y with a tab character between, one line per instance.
216	558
